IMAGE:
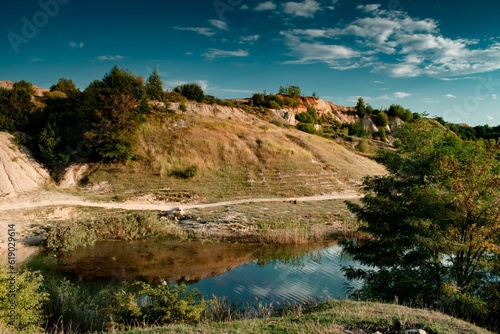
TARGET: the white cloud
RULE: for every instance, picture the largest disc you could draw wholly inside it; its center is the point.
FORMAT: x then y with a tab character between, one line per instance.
378	82
268	5
219	24
490	117
368	8
244	7
249	39
199	30
76	45
395	43
35	60
494	96
217	53
110	57
450	96
383	97
400	95
238	91
312	52
303	9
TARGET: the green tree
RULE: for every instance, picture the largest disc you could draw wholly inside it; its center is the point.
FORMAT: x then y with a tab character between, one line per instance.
154	87
380	119
431	226
114	130
64	85
191	91
397	110
16	105
119	81
291	91
360	107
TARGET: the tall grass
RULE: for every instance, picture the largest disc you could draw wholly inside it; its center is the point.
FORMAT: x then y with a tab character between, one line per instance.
291	232
66	236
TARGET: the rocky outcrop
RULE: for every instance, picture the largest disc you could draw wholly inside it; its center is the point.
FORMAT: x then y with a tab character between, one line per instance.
19	172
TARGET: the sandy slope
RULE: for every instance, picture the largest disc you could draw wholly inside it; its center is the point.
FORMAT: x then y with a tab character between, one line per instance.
18	171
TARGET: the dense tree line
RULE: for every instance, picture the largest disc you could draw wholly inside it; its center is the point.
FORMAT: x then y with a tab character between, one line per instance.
96	124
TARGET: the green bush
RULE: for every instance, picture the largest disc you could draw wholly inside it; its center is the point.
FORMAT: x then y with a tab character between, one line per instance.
183	107
363	146
74	307
158	304
187	173
307	127
27	297
191	91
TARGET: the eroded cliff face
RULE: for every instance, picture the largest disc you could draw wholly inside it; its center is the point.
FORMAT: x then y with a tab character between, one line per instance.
340	113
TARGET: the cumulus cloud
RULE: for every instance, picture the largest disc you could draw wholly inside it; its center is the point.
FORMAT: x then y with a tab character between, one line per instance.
450	96
394	43
199	30
303	9
219	24
217	53
76	45
249	39
400	95
110	57
268	5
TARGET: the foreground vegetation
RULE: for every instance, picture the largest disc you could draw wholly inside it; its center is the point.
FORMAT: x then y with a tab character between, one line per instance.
144	308
74	308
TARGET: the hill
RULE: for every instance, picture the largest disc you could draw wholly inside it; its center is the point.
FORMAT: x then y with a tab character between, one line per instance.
234	154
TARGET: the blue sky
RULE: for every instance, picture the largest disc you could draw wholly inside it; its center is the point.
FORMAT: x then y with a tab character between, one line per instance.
439	57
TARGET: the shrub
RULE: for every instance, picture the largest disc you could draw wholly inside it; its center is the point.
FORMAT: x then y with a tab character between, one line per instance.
307	127
28	299
159	304
74	307
187	173
380	119
182	107
65	237
274	105
191	91
363	146
174	97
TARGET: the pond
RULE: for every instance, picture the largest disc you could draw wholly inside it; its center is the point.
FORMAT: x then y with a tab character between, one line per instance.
243	273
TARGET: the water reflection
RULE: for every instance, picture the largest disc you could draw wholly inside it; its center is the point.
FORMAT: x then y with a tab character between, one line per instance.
317	277
155	260
240	272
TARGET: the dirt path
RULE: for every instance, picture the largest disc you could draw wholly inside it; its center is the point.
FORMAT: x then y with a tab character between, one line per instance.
19	205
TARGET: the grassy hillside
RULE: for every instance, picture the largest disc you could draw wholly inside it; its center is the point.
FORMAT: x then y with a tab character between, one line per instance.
234	157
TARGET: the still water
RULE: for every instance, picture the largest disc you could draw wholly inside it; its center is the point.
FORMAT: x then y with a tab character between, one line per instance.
315	275
243	273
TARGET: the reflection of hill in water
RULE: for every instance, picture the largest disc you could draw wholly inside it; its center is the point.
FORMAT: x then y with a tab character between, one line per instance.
169	260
